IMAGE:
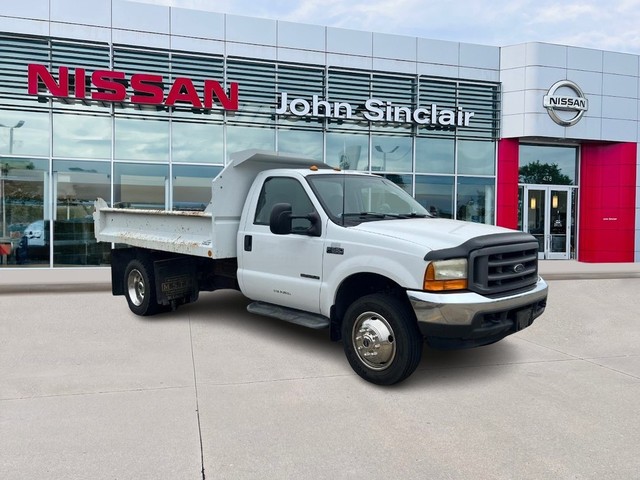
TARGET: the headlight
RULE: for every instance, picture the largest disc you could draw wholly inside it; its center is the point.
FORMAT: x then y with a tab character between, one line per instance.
444	275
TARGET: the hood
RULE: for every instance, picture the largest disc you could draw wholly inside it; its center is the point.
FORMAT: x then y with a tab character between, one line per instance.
433	233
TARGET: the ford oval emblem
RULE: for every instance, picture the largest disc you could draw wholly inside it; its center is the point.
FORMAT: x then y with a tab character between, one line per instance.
519	268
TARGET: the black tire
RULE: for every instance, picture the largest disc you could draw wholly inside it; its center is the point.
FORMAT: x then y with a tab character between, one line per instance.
380	360
140	287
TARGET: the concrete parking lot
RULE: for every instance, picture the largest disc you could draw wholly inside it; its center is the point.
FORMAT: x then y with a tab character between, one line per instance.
88	390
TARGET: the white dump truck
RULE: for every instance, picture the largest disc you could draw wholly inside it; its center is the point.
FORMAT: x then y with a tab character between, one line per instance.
348	252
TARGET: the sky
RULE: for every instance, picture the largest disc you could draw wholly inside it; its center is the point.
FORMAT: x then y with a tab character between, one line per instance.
604	25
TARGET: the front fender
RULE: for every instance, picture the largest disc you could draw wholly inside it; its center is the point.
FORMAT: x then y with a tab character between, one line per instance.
402	268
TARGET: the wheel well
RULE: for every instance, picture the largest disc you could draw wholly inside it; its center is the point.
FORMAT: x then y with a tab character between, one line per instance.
357	286
120	258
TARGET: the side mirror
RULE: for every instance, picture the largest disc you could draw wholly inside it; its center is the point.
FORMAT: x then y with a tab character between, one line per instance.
280	219
281	216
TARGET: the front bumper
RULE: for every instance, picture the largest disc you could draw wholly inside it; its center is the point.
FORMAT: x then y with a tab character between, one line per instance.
468	319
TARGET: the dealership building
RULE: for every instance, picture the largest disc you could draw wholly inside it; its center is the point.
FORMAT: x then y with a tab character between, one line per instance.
142	105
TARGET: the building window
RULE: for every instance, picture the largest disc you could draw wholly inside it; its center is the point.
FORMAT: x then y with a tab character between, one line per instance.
391	154
142	139
24	212
306	143
476	199
77	185
192	186
23	132
476	157
243	138
403	181
140	185
435	155
348	151
435	193
548	165
197	143
81	136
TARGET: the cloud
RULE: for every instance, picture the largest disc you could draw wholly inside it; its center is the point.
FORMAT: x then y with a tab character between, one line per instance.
587	23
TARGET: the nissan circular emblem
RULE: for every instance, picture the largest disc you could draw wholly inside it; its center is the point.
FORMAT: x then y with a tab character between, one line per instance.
564	109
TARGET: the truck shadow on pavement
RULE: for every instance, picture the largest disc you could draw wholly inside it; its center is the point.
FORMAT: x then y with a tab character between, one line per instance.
223	314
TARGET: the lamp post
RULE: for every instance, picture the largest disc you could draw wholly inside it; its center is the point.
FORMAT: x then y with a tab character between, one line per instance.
17	125
384	155
4	171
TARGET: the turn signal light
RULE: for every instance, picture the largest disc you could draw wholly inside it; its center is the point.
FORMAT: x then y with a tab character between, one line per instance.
446	275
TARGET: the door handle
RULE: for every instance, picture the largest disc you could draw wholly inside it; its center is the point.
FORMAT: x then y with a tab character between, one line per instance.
248	243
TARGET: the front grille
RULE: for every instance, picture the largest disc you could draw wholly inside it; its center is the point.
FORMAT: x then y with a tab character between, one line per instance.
503	269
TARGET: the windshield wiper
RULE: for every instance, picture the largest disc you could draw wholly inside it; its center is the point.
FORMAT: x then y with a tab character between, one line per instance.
364	215
412	215
380	215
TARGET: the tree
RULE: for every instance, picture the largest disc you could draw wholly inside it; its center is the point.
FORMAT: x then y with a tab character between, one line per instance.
543	173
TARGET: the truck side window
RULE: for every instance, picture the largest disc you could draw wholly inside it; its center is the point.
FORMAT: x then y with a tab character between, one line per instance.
283	190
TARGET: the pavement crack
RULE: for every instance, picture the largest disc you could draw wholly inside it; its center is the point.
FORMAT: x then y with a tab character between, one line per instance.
195	386
593	362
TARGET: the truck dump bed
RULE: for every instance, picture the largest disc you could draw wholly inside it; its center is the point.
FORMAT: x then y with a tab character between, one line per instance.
211	233
178	232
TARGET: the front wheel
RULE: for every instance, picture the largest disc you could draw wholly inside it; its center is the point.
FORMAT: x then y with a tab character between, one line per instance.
381	339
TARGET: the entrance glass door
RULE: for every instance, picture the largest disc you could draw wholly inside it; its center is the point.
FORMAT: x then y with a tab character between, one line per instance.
547	216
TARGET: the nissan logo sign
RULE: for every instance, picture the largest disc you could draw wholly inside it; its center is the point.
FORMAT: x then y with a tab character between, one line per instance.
565	110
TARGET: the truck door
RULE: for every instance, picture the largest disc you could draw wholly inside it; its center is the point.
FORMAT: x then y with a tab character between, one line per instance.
281	269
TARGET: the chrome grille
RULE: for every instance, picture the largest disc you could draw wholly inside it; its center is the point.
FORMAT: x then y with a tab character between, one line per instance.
503	269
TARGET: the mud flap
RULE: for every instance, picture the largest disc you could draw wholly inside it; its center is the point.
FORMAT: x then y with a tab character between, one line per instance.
176	281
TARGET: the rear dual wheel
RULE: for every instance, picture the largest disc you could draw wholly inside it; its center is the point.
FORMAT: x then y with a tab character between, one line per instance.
140	288
381	339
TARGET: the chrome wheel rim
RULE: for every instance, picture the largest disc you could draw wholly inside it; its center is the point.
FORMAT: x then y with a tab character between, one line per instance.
136	287
373	341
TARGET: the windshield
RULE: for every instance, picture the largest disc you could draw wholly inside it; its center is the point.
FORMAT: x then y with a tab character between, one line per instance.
352	199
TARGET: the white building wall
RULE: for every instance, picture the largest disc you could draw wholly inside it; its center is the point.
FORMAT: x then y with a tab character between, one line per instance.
133	23
608	79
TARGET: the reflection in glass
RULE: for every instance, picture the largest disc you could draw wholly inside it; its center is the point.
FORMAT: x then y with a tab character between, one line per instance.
306	143
85	136
243	138
348	151
192	186
142	139
435	193
548	165
24	133
24	234
197	142
391	154
476	158
140	185
435	155
536	215
476	199
558	221
403	181
76	186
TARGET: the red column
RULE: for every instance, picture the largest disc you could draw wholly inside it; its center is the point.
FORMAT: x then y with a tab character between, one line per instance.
507	194
607	202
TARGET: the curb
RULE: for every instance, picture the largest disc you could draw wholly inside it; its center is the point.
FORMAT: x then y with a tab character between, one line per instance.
54	288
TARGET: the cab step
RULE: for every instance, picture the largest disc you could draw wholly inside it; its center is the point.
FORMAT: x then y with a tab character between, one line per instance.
291	315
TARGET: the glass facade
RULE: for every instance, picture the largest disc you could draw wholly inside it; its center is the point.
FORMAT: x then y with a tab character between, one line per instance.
59	154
